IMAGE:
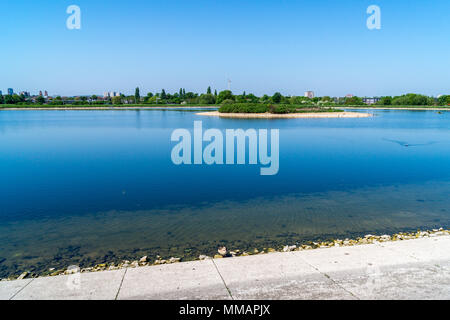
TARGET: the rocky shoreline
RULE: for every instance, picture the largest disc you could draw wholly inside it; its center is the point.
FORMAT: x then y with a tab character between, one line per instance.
224	252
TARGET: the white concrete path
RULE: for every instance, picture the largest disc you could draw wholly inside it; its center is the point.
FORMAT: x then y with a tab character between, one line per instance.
411	269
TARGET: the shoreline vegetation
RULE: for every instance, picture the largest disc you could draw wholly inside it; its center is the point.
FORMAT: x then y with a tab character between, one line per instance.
223	252
312	114
280	111
214	99
197	106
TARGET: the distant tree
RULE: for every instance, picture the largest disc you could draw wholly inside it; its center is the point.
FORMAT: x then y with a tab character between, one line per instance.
215	93
276	98
224	95
116	100
8	99
209	90
190	95
264	99
354	101
137	95
252	98
94	97
412	99
227	101
444	100
207	99
163	94
385	101
2	100
300	100
240	99
181	93
40	100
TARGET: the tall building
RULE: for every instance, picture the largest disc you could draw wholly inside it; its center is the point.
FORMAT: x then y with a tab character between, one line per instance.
24	93
45	93
309	94
40	93
1	93
10	91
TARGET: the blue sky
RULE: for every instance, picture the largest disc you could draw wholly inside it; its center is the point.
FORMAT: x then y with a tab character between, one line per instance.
262	46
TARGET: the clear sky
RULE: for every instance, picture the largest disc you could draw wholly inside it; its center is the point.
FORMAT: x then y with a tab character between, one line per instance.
263	46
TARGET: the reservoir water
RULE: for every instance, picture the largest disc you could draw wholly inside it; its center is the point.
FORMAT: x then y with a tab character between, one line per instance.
87	187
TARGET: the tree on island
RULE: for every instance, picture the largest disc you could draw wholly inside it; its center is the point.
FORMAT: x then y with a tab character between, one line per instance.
137	96
163	94
209	90
224	95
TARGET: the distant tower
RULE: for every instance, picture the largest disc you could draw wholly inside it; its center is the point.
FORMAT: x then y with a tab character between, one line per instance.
45	93
40	93
10	91
229	84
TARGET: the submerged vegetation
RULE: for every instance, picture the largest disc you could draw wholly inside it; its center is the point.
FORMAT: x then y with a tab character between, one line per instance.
153	259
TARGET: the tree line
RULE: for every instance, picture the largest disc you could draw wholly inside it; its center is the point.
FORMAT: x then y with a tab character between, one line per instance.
225	97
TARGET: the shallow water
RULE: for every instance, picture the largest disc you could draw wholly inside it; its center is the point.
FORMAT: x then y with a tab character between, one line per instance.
84	187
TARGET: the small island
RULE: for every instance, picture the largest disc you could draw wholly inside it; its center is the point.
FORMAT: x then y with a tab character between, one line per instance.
280	111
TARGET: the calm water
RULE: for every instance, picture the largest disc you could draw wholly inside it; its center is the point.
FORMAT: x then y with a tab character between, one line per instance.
84	187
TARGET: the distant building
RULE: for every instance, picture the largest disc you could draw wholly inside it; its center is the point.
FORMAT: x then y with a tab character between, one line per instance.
25	94
40	93
349	96
46	94
1	93
10	91
370	101
309	94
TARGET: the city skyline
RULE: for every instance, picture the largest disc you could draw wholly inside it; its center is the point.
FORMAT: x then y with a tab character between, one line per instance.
321	46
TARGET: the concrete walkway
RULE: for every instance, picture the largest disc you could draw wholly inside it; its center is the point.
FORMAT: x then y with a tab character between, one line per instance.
412	269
